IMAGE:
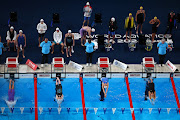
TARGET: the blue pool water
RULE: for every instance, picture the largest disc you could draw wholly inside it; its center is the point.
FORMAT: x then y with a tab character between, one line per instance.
117	97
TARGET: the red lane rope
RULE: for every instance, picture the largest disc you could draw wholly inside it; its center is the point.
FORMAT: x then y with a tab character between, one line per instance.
35	98
82	96
175	93
130	99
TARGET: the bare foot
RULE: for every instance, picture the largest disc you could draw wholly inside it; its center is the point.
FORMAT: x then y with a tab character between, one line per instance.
62	52
9	49
141	32
18	56
67	55
14	49
52	52
23	56
136	32
70	55
82	45
39	45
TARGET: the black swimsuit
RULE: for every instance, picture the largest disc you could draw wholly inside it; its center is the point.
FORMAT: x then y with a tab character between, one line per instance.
59	90
69	41
154	27
151	87
140	18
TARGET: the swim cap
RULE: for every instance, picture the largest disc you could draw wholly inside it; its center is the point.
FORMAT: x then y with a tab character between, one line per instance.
130	14
69	31
20	31
41	20
87	3
92	29
57	29
105	80
12	27
155	18
112	19
141	8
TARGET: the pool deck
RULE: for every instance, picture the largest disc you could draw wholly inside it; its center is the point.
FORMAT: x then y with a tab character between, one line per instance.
93	69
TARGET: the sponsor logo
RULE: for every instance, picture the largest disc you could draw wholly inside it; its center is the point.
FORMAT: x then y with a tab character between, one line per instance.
72	75
44	75
1	76
135	75
89	75
26	75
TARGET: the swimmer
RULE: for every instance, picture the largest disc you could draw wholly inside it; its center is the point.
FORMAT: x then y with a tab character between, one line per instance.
11	102
155	24
140	19
112	29
69	42
83	32
150	89
129	25
104	87
59	95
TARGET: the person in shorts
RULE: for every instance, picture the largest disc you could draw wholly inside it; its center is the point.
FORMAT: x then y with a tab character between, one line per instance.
41	28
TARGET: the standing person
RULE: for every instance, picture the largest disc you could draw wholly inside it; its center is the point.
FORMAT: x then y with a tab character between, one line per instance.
162	48
57	36
46	46
129	25
87	13
89	52
83	32
112	29
21	42
59	95
11	37
41	28
104	87
11	102
155	24
171	22
140	19
1	46
69	42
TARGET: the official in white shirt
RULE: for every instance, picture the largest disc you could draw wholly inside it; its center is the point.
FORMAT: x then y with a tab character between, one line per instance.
41	28
87	13
11	37
57	36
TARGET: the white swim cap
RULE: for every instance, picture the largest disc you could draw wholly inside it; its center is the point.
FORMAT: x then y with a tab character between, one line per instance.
20	31
92	29
41	20
69	31
87	3
112	19
57	29
12	27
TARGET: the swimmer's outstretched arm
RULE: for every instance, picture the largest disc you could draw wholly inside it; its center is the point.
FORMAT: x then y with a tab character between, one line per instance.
10	84
58	81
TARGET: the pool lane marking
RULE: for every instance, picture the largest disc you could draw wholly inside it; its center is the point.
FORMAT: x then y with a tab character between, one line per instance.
130	98
35	98
82	96
175	93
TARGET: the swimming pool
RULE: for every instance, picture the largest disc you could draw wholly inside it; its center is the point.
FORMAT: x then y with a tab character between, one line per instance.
117	97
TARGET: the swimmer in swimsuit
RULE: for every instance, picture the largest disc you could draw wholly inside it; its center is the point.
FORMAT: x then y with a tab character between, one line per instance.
59	95
11	102
84	31
155	24
104	88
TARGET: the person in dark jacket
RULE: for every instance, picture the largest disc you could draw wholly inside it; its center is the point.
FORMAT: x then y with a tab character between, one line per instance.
171	22
112	29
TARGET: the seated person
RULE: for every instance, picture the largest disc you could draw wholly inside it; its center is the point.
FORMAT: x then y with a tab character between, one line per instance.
150	88
59	95
11	37
11	102
104	87
57	36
